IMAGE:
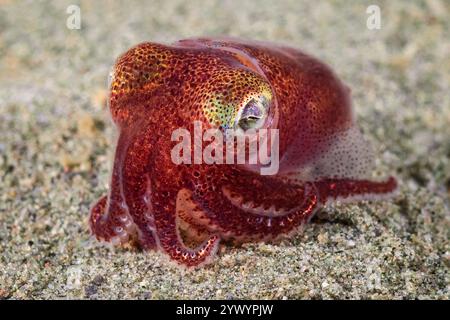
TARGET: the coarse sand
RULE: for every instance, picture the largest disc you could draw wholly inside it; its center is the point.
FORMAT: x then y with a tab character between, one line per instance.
56	144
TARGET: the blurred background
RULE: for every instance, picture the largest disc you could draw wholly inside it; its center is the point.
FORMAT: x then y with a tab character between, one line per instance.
56	143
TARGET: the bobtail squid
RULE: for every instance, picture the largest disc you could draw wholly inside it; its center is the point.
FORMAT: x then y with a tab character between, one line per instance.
156	204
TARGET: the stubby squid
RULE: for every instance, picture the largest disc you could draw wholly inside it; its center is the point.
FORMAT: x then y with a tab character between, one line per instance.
225	83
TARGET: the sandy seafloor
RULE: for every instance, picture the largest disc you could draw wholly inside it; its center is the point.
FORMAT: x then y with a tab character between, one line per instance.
56	144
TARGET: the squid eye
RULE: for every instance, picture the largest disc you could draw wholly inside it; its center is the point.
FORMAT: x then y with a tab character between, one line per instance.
252	115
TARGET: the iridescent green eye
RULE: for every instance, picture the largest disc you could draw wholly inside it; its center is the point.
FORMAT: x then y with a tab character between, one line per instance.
253	114
242	103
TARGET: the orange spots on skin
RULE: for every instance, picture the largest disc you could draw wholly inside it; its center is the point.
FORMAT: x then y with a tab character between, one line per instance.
156	89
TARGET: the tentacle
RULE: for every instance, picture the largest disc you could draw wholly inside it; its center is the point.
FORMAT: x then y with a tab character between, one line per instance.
110	219
352	190
246	206
170	238
189	218
137	193
151	185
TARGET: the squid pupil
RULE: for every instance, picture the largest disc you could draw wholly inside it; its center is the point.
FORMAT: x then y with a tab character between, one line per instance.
250	115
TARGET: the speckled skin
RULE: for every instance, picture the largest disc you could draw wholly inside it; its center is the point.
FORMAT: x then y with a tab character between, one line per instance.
156	89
